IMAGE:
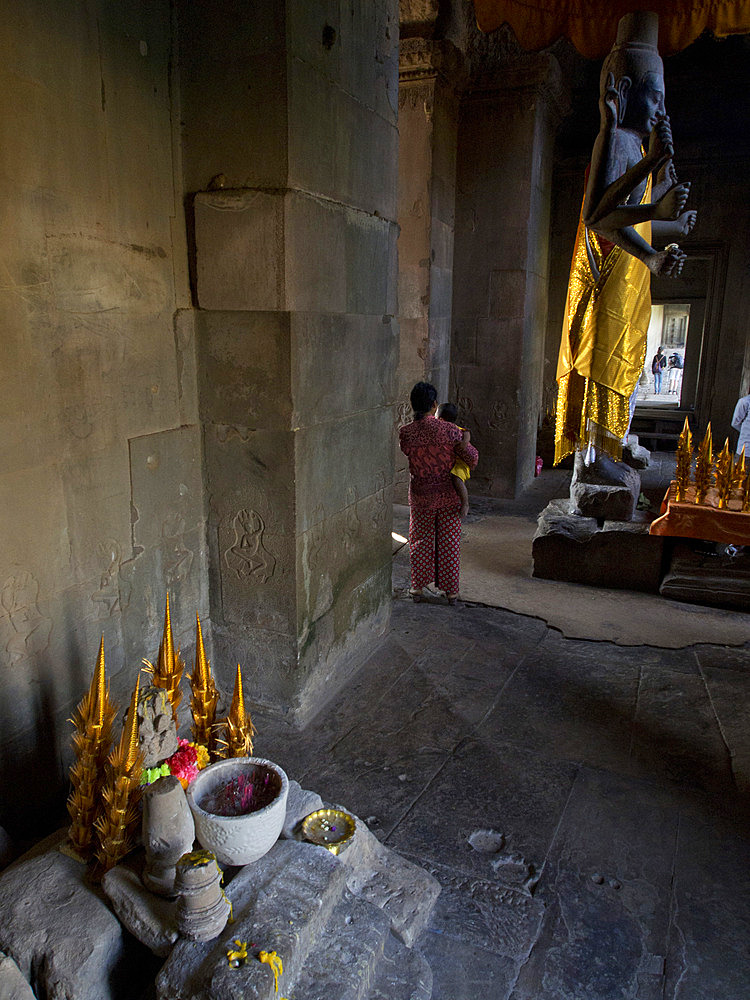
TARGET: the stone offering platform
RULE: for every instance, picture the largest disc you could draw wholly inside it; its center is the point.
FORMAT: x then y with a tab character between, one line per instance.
344	927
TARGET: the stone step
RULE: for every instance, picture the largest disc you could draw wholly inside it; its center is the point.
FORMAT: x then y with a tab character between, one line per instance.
281	903
344	964
403	974
358	958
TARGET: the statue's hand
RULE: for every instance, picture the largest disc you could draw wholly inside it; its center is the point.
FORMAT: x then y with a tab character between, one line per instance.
667	263
660	146
686	222
609	104
673	202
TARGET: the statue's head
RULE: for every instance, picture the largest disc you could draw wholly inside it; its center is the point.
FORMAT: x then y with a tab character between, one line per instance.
638	72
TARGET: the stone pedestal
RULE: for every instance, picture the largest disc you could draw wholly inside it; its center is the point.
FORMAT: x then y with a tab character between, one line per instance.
295	280
704	576
202	907
168	833
606	490
506	135
620	554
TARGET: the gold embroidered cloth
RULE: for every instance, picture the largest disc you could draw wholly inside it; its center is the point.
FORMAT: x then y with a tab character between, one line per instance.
603	345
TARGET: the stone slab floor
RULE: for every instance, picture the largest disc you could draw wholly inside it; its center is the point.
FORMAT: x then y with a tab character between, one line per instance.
583	805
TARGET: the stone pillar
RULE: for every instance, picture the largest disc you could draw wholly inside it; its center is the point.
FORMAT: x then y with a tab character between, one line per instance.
428	128
505	146
291	149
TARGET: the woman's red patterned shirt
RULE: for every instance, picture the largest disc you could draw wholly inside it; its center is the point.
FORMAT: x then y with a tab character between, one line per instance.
432	447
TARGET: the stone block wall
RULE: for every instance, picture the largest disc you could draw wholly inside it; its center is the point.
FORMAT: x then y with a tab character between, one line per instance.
101	484
428	122
294	263
506	135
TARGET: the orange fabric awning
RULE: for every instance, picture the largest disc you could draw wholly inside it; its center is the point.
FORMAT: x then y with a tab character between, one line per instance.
591	25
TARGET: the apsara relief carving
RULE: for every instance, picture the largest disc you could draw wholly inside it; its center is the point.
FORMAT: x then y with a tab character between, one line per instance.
248	558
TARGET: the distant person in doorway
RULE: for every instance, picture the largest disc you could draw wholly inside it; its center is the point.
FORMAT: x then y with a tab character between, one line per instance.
658	365
674	374
460	471
741	423
432	447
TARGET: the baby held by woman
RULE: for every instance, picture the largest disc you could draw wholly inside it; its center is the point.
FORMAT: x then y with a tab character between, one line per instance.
460	471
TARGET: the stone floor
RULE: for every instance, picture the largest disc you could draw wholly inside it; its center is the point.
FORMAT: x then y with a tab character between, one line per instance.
584	805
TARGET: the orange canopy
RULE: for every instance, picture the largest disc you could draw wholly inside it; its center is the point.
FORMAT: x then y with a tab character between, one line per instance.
591	25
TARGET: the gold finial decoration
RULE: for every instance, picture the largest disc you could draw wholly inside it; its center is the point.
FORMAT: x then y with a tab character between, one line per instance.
725	475
93	719
739	471
167	672
704	467
119	819
204	695
746	485
684	459
238	728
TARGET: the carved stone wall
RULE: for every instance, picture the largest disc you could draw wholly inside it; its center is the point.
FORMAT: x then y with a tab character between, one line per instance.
506	135
294	206
100	480
428	121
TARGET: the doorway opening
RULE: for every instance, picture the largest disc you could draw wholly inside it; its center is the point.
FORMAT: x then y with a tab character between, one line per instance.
660	383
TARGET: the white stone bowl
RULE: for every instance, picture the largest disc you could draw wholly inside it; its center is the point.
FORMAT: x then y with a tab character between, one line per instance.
236	840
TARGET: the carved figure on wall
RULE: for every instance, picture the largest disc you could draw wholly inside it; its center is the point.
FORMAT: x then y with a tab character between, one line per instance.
248	556
632	197
108	595
30	628
177	558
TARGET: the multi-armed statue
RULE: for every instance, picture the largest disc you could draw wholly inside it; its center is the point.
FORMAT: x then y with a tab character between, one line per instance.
632	198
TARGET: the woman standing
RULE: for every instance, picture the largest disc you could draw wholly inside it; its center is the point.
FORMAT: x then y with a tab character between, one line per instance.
432	447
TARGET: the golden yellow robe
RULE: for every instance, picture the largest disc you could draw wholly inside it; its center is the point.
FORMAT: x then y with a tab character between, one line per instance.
603	345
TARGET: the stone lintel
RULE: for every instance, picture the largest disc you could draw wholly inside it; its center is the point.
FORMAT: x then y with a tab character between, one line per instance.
428	59
536	76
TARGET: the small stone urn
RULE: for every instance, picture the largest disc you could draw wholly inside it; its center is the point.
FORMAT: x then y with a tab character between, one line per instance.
202	907
168	833
239	808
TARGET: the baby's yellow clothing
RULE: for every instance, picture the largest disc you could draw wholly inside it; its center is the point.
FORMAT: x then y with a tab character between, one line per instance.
461	469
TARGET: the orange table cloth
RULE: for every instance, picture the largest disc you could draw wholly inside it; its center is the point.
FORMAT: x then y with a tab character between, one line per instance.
690	520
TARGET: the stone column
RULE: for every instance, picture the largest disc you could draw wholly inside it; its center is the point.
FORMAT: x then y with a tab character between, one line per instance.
291	146
428	128
505	146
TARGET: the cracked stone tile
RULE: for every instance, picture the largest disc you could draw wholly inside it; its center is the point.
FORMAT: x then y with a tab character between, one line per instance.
709	940
507	789
562	705
606	888
676	735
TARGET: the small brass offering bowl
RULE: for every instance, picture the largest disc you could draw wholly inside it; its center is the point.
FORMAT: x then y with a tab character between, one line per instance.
329	828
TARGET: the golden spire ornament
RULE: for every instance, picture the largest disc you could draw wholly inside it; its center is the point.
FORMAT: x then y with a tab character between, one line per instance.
118	822
739	471
684	459
167	673
746	487
703	467
238	727
725	475
203	694
92	739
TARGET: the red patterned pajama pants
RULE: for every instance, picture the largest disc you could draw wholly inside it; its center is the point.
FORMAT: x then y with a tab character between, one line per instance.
435	548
